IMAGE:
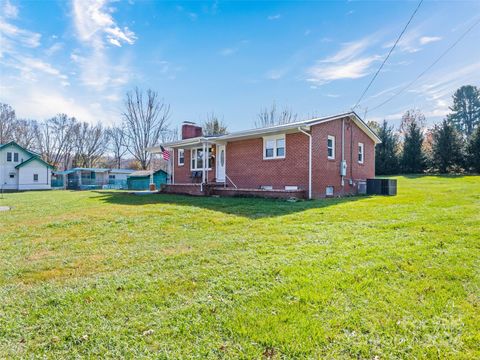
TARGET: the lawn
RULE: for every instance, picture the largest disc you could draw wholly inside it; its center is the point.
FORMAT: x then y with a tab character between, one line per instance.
107	274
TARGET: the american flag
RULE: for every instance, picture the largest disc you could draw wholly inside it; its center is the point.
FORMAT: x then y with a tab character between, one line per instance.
165	153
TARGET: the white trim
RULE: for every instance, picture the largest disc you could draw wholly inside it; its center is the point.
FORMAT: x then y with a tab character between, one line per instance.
179	157
274	138
331	137
191	158
362	152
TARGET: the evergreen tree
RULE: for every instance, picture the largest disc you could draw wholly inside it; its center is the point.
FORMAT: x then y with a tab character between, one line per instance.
413	157
447	147
465	114
386	159
473	151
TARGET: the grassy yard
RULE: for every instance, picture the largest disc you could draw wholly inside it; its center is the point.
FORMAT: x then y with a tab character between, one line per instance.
112	275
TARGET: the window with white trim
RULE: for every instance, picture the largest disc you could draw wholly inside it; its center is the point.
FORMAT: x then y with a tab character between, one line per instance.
360	153
331	147
329	191
274	147
181	157
198	158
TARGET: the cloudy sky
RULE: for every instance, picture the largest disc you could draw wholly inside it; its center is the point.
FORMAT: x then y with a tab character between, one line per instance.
81	56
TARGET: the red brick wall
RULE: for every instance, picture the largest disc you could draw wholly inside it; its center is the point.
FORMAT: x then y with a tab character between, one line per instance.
183	173
326	172
247	168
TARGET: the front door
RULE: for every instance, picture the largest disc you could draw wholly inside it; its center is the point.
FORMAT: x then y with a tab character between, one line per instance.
220	163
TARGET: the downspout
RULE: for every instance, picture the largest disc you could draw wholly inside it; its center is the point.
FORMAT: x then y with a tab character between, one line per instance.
173	165
309	161
343	153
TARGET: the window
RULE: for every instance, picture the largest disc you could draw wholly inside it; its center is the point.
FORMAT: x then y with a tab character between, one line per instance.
181	157
12	175
274	147
198	158
15	157
35	177
9	156
360	153
329	191
331	147
111	177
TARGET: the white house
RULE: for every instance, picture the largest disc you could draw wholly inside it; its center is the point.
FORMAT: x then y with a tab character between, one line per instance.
22	169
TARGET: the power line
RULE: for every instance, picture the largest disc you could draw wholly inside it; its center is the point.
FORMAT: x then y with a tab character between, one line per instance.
429	67
388	55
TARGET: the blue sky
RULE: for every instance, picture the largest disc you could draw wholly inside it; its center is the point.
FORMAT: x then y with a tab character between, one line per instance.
232	58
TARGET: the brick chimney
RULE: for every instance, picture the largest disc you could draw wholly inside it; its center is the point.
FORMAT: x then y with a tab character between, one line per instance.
191	130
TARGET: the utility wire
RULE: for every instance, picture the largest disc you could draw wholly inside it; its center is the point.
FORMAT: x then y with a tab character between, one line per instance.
428	68
388	55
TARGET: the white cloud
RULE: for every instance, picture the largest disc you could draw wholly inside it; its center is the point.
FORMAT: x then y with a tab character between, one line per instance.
228	51
349	50
350	70
274	17
348	63
10	11
94	22
11	35
429	39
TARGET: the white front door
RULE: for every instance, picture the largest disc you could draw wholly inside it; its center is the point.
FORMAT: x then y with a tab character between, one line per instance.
221	163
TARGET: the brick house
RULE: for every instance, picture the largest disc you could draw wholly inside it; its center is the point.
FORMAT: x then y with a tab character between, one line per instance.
330	156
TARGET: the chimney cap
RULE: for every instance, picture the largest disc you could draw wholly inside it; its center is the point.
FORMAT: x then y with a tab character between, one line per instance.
189	123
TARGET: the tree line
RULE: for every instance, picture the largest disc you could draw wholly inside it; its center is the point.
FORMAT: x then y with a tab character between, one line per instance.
452	146
65	142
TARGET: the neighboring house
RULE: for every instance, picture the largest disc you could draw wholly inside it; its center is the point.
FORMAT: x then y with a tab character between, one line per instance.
330	156
91	178
23	169
140	180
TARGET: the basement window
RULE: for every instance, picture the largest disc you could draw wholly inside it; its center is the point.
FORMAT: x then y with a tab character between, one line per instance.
274	147
360	153
329	191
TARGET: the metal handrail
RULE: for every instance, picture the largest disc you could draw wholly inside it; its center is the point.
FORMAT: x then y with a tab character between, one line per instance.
235	186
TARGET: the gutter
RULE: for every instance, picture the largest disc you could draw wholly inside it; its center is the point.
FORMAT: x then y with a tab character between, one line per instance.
309	161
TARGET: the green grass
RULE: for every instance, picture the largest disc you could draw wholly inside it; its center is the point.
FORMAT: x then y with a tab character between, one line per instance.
112	275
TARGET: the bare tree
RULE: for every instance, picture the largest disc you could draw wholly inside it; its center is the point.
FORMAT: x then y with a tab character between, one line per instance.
269	117
214	126
118	144
24	133
409	117
7	123
55	139
90	144
146	121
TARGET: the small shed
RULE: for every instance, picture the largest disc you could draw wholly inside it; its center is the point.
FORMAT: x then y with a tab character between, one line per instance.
140	180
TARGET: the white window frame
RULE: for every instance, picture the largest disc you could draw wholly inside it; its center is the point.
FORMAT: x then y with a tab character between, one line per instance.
274	138
192	158
181	157
331	137
329	191
361	151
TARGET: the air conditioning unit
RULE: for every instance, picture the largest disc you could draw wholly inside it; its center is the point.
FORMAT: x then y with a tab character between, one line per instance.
343	168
